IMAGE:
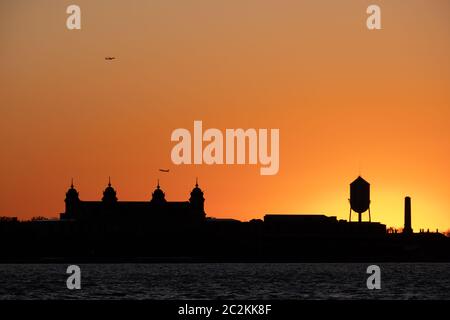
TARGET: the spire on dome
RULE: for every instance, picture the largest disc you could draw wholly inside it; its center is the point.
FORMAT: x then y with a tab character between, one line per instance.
196	192
197	199
109	195
72	193
158	196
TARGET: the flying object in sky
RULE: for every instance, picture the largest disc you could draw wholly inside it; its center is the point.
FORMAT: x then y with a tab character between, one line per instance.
110	58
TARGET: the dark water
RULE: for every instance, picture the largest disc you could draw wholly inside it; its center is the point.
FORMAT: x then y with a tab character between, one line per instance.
226	281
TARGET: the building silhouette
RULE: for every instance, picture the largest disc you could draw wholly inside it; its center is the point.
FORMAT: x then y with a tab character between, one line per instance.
156	209
113	230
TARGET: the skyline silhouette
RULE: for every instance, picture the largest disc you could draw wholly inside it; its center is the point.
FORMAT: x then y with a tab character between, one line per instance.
359	202
378	104
161	230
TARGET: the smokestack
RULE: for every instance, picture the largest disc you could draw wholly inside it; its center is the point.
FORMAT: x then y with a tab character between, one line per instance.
407	229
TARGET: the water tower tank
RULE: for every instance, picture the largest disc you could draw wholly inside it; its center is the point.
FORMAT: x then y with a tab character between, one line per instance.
359	196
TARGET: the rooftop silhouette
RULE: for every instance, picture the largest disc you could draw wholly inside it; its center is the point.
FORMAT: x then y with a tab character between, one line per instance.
156	228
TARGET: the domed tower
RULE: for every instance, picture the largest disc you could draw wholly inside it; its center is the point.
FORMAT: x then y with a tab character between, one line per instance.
109	195
72	201
197	200
158	196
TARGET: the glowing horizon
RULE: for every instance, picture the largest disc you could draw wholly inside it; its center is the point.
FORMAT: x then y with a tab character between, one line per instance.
347	101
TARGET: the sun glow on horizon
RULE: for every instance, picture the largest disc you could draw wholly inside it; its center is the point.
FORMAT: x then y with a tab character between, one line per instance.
345	99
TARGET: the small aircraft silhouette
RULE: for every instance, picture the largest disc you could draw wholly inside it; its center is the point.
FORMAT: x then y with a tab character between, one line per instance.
110	58
164	170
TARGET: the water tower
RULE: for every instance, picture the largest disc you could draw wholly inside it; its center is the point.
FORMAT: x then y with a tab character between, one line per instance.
359	197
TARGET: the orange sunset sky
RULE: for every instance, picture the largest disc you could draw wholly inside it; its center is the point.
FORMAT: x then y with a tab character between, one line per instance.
346	100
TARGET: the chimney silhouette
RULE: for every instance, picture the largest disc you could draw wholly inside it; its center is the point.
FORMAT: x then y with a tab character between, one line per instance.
407	229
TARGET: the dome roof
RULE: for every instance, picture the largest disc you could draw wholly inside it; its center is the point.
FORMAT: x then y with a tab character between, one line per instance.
158	194
72	193
109	194
359	181
196	191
